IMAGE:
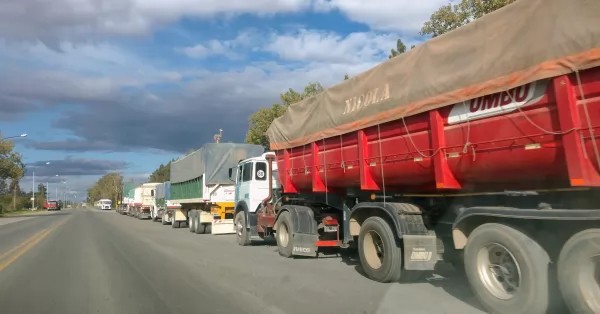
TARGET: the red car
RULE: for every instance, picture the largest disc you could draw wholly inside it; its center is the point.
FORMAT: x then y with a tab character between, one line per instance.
52	205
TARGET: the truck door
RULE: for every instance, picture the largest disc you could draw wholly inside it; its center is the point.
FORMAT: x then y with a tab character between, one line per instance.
238	181
245	180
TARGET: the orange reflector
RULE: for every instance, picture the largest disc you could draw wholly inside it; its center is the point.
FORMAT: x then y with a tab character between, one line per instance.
577	182
331	222
329	243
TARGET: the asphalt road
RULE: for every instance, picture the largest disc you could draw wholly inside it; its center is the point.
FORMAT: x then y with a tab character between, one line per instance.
90	261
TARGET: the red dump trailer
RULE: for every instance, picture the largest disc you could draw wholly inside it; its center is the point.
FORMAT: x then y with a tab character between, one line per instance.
477	148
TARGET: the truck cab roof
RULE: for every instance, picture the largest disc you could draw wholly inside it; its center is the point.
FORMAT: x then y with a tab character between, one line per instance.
262	157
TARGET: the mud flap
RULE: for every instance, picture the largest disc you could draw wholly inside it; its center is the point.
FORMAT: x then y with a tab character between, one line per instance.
223	226
179	215
420	252
305	244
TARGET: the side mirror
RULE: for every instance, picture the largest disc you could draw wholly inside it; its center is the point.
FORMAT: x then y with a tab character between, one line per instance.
231	174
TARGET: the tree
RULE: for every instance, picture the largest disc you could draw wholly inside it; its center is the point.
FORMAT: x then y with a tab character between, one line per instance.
11	164
162	173
42	189
261	120
452	16
40	196
400	49
3	187
346	76
110	186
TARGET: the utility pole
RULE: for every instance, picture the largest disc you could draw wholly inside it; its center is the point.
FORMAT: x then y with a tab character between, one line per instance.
33	185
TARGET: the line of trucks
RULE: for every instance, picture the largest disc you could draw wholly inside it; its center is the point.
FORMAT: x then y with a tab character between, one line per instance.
470	149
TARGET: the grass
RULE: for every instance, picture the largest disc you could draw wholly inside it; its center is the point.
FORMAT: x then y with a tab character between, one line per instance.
21	212
15	213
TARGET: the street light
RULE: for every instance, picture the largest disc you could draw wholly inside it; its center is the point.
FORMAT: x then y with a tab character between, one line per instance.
33	181
57	188
16	136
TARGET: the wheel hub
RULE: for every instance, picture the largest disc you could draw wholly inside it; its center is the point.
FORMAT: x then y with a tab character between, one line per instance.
282	234
239	228
590	285
499	271
373	249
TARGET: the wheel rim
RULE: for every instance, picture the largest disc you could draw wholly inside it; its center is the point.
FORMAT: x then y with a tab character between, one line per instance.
499	271
589	283
283	235
239	228
373	249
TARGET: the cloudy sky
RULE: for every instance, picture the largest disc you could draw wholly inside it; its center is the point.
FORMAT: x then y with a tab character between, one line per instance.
124	85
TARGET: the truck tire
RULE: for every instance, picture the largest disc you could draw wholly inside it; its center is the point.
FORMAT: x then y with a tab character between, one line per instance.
163	220
519	281
379	252
175	224
241	232
285	239
200	228
577	272
192	225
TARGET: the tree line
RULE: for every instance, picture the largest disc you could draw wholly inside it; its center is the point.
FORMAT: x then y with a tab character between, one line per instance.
448	17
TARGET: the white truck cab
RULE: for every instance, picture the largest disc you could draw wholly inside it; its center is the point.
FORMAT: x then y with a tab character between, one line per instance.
251	189
105	203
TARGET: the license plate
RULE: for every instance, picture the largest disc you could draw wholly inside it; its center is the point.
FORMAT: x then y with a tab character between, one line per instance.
331	228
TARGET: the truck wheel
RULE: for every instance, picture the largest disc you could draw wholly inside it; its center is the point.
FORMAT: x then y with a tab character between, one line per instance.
379	252
241	232
175	224
579	272
285	239
193	227
508	271
163	220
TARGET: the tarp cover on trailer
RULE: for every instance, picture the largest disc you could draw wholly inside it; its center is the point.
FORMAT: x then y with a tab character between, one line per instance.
161	190
214	159
523	42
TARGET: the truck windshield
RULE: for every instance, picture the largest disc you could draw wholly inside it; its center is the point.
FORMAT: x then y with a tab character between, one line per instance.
106	202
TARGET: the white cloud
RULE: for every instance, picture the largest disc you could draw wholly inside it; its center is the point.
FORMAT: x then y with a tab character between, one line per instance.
321	46
81	20
404	16
100	78
211	48
225	48
52	22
